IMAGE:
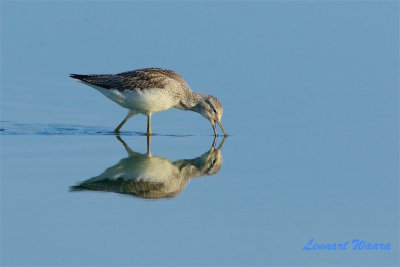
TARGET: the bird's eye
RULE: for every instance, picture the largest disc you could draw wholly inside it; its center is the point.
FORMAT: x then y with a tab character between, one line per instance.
211	105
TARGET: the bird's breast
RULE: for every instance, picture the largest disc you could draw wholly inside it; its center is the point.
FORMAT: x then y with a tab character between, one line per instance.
149	100
142	100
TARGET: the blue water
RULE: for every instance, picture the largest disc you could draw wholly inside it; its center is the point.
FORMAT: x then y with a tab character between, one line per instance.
310	96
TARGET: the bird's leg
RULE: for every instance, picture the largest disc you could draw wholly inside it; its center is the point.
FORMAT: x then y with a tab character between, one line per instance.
149	124
130	114
214	128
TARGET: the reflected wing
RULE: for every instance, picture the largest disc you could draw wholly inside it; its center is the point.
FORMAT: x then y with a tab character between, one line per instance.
140	189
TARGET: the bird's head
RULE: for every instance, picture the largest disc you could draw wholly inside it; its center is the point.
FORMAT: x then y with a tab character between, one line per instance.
211	109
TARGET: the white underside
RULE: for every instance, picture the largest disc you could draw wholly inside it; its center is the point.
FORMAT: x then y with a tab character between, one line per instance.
142	101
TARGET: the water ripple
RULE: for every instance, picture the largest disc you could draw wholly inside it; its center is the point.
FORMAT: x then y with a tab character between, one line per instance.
13	128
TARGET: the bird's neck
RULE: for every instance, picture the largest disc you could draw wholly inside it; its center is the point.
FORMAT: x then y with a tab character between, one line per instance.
192	101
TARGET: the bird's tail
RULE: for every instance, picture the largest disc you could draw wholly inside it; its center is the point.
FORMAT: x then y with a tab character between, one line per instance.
101	80
80	77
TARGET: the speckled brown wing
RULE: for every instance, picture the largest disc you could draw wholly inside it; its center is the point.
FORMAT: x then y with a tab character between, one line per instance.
106	81
132	80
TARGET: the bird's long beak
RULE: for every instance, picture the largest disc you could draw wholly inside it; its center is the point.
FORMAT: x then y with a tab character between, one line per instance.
214	128
222	128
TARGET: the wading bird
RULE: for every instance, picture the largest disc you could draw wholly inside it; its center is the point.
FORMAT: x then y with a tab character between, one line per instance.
151	90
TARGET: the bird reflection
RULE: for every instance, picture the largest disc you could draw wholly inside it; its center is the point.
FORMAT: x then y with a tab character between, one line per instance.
152	177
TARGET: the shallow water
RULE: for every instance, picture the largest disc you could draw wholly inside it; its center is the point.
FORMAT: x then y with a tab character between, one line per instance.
70	198
310	95
12	128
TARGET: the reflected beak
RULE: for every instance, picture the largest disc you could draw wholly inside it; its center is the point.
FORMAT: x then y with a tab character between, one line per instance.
222	128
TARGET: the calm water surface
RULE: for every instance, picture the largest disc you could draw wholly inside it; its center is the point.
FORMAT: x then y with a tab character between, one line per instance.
82	199
310	95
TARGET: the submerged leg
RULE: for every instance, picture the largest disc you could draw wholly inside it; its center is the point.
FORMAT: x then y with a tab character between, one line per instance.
149	124
130	114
